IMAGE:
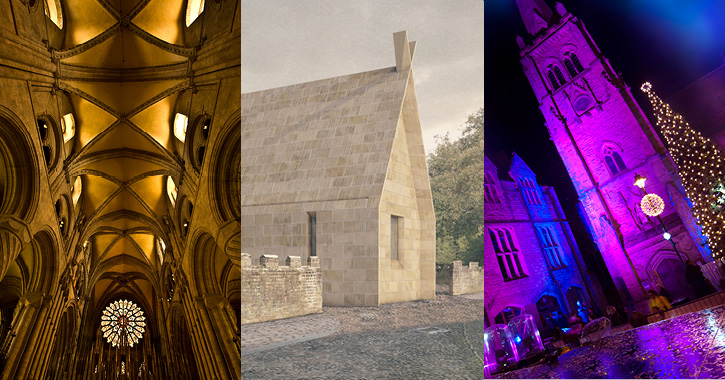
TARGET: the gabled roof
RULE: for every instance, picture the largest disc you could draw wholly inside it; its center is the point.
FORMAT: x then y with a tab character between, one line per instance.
325	140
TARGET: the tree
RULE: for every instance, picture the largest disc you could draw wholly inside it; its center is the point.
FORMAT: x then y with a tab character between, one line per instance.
701	165
456	179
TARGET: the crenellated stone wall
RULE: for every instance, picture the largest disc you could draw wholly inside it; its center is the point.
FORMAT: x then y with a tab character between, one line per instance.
466	279
271	291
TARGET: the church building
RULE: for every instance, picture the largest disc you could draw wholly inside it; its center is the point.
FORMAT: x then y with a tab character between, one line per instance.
605	140
119	189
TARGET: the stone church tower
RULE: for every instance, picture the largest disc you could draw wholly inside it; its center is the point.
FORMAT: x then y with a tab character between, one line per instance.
604	140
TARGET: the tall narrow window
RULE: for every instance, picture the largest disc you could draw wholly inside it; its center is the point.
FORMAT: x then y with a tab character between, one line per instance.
551	247
552	78
69	127
76	190
181	121
613	160
395	225
559	75
172	191
313	233
489	186
509	257
193	10
528	188
54	12
572	64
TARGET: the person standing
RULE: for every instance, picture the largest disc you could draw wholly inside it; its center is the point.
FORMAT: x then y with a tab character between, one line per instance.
658	303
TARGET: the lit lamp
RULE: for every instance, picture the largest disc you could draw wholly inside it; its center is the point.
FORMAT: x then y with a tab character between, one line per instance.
653	205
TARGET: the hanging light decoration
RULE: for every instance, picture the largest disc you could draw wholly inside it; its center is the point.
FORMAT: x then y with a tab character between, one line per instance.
652	204
122	323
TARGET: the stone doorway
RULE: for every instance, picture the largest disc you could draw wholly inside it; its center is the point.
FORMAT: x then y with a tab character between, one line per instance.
672	277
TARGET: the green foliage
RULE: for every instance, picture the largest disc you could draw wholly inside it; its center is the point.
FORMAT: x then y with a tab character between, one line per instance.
456	179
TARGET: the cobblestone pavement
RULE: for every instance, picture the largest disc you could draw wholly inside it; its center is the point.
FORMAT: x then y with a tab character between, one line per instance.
432	339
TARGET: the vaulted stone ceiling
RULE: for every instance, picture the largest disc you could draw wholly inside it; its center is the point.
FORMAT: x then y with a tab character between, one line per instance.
124	66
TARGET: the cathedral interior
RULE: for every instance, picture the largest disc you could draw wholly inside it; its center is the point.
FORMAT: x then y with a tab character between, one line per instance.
119	189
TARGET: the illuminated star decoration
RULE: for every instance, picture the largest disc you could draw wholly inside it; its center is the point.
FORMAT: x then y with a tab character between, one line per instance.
700	164
122	323
652	204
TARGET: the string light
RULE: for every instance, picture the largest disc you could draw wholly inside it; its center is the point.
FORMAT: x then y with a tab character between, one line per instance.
701	165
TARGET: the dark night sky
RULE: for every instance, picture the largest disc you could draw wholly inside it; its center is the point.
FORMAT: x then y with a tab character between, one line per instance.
669	43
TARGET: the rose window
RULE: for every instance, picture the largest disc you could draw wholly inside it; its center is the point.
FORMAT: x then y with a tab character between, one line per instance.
122	323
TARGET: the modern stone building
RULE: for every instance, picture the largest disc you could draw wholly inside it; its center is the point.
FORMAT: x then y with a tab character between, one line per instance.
120	188
335	168
604	139
531	261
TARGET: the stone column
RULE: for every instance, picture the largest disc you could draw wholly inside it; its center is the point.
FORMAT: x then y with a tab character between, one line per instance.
35	346
31	305
202	352
224	331
214	344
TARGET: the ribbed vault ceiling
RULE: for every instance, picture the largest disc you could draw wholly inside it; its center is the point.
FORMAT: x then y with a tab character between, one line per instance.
124	65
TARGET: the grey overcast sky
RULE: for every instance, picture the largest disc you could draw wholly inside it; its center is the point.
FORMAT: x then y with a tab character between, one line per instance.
286	42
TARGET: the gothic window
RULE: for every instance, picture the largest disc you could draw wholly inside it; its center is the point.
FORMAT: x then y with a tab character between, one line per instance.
122	323
161	250
193	10
551	247
556	77
54	12
507	314
528	188
172	191
559	75
489	186
509	257
613	160
181	121
68	125
572	64
76	190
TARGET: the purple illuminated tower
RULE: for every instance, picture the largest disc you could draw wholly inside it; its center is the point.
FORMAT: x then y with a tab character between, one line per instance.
604	139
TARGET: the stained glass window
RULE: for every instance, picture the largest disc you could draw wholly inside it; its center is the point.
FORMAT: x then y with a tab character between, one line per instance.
122	323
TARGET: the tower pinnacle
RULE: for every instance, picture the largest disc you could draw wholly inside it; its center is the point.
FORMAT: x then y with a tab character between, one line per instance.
535	13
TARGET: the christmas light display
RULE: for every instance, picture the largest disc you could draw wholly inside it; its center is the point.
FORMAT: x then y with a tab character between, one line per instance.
701	165
652	204
122	323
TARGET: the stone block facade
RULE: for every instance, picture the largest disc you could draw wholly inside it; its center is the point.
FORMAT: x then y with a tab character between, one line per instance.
465	280
271	291
326	166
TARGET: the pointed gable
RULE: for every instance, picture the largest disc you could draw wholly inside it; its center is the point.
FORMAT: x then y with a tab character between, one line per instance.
320	141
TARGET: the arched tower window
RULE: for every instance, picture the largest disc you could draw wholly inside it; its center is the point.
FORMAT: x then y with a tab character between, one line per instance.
573	65
613	160
556	77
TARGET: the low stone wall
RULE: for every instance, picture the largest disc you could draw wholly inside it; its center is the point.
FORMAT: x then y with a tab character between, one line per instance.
271	291
466	280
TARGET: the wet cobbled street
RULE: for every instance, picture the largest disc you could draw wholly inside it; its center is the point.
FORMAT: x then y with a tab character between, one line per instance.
435	339
691	346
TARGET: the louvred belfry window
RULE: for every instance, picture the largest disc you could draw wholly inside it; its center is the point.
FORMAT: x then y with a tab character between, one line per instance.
122	323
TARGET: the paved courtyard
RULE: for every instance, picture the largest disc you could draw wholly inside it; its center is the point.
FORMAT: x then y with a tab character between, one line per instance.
433	339
691	346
